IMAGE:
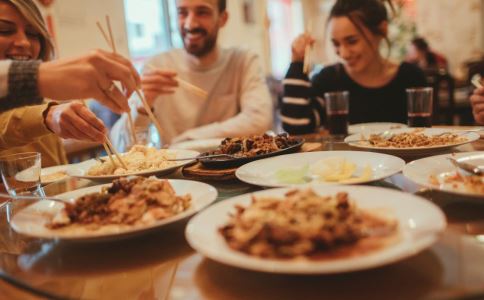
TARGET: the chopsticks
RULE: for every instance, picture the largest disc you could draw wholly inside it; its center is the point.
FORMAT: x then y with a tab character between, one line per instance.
187	85
307	50
107	145
112	44
476	81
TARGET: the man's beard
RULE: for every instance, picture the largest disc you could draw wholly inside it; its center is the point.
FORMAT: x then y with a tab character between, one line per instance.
207	44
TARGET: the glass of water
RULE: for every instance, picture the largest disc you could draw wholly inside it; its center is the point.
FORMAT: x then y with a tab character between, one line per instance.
21	173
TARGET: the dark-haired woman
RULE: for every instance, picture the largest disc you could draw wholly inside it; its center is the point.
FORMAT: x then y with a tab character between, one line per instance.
375	84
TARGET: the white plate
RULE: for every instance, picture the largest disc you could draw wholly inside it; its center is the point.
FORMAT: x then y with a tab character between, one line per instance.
471	137
375	126
31	220
420	223
263	172
198	145
80	170
51	170
419	171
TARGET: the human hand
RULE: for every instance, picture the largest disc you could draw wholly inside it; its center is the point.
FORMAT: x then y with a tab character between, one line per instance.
74	120
158	82
298	47
477	101
90	76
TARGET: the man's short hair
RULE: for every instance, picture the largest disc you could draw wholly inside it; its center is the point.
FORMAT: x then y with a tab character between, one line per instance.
222	5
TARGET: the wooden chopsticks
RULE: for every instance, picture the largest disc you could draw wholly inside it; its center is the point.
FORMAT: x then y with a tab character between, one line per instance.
307	50
187	85
110	42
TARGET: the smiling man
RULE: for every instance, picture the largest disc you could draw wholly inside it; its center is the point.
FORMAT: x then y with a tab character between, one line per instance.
238	101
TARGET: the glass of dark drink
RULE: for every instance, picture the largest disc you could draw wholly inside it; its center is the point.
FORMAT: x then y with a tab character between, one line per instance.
419	107
337	106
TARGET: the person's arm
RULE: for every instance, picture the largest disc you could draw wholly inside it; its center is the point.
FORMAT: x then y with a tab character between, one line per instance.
256	109
299	115
87	76
22	126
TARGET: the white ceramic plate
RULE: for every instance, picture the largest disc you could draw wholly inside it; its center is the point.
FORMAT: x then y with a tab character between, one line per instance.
80	170
61	171
420	223
31	220
375	126
420	171
263	172
198	145
471	137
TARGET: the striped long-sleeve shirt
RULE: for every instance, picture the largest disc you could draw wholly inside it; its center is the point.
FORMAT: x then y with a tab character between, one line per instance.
302	109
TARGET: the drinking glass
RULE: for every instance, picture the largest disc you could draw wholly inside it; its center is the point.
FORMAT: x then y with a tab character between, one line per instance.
337	107
21	173
419	107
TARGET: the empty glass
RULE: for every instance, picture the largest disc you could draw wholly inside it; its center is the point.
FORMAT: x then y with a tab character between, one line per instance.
21	173
419	106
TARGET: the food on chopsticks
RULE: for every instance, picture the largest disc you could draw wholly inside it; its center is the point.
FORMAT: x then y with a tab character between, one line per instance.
126	202
139	158
413	139
302	224
457	181
255	145
335	169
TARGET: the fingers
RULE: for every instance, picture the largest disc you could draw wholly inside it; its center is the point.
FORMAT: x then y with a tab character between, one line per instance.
79	123
111	96
160	77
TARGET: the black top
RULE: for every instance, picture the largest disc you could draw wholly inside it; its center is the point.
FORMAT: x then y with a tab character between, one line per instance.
383	104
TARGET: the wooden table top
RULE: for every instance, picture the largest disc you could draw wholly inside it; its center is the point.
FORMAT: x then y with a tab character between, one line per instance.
142	267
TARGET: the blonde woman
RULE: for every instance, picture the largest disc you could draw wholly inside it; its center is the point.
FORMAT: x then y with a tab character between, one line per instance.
23	37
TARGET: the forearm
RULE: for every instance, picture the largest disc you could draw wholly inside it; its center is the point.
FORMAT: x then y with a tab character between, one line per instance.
21	85
23	126
297	114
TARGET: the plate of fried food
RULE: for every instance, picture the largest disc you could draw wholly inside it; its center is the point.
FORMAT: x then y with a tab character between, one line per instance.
123	208
140	161
438	173
411	141
316	229
242	150
324	167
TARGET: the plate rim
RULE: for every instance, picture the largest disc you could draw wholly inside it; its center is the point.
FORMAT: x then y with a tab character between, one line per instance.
124	233
419	244
237	172
362	124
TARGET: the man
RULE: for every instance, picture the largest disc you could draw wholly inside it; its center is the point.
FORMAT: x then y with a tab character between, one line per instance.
238	101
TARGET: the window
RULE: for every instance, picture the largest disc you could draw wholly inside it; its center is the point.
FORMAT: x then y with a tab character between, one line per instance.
151	28
286	19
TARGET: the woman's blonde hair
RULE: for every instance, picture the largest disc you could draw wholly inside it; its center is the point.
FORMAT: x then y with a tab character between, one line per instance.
31	13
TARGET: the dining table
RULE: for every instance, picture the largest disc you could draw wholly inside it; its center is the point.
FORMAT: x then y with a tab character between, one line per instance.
160	264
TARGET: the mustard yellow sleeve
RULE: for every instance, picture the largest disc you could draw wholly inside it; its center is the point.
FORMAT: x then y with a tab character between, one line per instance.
21	126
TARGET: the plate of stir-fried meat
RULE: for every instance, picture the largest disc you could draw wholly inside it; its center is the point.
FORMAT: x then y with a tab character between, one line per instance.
316	229
122	208
246	149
